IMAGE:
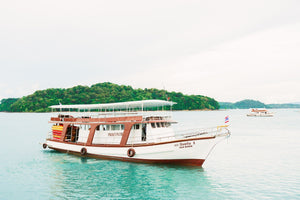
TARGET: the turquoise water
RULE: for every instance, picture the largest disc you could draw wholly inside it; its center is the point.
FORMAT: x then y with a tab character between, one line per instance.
261	160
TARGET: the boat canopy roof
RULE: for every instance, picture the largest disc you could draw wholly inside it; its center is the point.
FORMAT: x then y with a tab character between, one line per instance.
121	105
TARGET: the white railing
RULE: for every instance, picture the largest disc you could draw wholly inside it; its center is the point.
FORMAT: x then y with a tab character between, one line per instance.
218	131
144	114
199	132
50	135
190	134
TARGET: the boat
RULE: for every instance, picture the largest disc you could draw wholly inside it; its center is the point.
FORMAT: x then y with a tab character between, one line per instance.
255	112
136	131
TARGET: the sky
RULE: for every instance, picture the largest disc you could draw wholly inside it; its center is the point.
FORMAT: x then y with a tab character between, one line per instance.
228	50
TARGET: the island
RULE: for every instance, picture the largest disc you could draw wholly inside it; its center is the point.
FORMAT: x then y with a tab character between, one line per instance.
105	92
249	103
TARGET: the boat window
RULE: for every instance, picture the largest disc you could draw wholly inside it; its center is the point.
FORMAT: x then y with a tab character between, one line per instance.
168	124
163	124
136	126
158	124
106	127
98	128
112	127
122	126
153	125
115	127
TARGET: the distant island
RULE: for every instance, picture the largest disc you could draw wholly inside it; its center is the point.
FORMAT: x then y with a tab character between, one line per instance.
248	103
105	92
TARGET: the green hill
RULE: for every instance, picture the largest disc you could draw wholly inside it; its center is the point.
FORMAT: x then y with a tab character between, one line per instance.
6	103
284	105
227	105
246	104
103	93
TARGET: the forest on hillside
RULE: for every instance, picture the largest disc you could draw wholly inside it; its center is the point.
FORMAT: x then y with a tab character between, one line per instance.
244	104
249	103
106	92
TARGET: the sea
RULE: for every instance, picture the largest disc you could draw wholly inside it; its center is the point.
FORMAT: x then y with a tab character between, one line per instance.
260	160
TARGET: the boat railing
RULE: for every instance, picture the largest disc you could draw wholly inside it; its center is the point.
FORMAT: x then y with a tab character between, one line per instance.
50	135
192	134
102	114
202	132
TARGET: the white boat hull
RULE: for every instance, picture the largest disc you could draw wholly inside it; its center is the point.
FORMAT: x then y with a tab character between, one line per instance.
260	115
188	152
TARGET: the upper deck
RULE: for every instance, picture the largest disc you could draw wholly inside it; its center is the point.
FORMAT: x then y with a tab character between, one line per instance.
137	111
127	106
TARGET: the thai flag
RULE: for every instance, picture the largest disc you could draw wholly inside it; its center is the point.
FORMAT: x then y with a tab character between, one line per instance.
226	119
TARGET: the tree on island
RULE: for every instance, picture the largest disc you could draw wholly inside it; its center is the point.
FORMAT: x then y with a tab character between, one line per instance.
248	103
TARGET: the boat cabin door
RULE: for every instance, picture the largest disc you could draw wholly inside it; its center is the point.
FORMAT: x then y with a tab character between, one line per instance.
144	132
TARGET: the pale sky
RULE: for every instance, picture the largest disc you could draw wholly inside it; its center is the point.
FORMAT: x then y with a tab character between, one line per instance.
229	50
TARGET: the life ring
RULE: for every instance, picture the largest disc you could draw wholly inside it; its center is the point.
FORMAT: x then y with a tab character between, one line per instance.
44	145
83	151
130	152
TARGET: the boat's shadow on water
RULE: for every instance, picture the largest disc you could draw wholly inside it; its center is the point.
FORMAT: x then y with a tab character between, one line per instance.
172	166
128	179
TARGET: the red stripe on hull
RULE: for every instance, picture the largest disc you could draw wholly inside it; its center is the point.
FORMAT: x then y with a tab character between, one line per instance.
185	162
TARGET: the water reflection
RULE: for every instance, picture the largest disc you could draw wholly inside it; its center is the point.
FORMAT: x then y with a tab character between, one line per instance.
75	177
83	159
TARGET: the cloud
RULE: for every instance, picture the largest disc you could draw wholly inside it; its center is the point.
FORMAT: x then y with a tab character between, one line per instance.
193	47
261	65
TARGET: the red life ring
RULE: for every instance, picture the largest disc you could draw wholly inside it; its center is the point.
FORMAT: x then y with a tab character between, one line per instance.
83	151
130	152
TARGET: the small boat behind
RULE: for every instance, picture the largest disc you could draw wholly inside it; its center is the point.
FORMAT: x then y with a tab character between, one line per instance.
255	112
128	132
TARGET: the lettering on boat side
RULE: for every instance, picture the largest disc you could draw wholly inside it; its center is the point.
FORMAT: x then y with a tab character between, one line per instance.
115	134
182	145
